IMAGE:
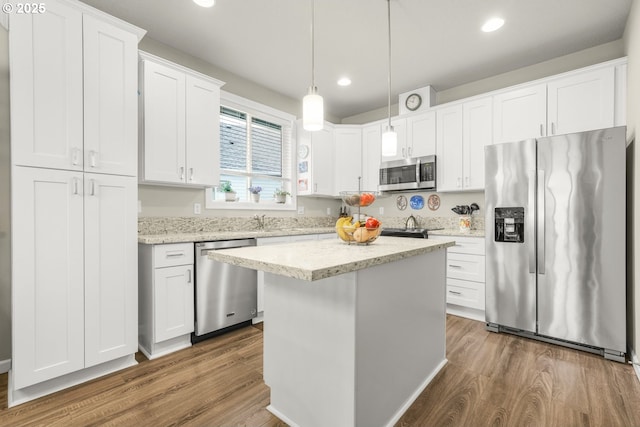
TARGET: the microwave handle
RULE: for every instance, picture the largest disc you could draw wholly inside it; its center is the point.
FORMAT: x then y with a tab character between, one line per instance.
418	172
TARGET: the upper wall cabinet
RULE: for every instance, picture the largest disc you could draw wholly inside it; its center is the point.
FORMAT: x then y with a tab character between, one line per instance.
416	135
348	157
315	161
72	102
180	126
577	102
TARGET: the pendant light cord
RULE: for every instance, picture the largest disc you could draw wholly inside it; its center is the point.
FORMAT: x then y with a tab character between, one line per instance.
389	63
313	54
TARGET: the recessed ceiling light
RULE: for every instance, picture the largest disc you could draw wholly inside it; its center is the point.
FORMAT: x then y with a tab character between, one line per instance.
344	81
492	24
205	3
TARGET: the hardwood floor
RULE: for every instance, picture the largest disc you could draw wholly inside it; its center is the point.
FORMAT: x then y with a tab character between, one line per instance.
490	380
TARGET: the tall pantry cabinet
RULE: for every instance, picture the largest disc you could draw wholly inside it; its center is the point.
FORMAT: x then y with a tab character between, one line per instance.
74	197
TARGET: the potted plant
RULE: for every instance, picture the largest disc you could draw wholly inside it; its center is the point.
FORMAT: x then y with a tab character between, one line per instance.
229	193
280	195
255	193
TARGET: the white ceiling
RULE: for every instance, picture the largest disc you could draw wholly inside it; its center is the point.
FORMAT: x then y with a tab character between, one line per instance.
434	42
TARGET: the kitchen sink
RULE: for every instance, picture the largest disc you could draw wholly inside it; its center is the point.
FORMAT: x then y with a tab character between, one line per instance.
417	233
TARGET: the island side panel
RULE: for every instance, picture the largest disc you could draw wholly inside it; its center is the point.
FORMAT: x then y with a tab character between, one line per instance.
309	349
400	335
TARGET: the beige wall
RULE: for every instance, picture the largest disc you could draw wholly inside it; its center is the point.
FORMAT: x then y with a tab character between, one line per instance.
632	50
5	202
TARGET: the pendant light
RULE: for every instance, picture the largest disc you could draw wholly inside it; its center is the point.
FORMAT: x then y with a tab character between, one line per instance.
389	137
312	104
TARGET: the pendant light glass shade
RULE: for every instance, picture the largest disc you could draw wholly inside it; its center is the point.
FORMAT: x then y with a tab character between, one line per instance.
389	145
389	142
312	111
313	104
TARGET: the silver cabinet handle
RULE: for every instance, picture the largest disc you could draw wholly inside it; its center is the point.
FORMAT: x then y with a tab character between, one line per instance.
466	181
175	254
541	130
458	182
553	128
455	266
188	276
181	173
541	209
92	192
409	150
75	156
92	158
315	188
455	293
190	174
403	150
75	186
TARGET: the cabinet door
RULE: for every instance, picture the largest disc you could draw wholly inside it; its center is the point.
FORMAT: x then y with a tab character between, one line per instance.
202	132
476	134
48	279
173	302
348	154
449	148
110	98
164	124
520	114
46	93
111	269
421	134
371	139
582	102
322	162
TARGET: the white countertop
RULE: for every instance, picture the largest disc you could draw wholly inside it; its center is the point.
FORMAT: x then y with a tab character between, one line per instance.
319	259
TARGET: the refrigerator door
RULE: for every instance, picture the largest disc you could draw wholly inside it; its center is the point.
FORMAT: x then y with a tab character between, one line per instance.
510	260
581	238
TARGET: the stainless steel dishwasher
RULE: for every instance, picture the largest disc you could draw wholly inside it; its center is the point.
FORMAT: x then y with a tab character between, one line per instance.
225	294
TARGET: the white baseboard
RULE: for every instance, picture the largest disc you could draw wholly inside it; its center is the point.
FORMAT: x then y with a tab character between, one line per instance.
5	365
635	363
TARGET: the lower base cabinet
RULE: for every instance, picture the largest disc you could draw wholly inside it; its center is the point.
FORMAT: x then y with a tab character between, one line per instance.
166	298
466	277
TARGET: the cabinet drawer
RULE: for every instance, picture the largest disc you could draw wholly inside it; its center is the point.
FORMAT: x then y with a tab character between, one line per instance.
465	293
468	245
465	267
173	254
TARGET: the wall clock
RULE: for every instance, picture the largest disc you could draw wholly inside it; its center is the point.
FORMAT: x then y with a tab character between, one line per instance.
303	151
413	102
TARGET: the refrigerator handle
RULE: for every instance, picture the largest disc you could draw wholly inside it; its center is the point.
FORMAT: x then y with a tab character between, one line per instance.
530	221
541	210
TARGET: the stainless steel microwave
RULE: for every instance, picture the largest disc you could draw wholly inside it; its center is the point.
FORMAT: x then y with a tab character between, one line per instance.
413	173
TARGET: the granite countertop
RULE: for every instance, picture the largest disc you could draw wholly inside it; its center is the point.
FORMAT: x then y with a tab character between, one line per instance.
456	232
205	236
326	258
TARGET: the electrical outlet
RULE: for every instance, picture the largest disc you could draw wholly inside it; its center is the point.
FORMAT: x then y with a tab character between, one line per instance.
197	208
329	211
300	210
139	206
381	210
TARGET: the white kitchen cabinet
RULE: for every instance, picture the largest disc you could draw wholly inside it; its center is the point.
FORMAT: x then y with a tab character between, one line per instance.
582	101
449	148
110	98
74	279
477	132
316	171
371	141
421	134
181	125
520	114
166	303
465	276
573	102
348	157
74	101
111	269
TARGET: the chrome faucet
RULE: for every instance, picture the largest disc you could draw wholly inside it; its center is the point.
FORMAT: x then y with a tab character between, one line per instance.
260	220
410	223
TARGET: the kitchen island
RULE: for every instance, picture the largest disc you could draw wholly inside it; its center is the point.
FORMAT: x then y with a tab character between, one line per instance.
352	334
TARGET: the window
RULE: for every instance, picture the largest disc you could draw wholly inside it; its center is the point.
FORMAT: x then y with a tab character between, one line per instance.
255	151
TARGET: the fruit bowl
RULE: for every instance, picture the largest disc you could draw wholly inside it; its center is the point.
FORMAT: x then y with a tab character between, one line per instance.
356	232
358	198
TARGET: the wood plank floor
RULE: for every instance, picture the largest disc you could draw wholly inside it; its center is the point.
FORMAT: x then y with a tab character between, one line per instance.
490	380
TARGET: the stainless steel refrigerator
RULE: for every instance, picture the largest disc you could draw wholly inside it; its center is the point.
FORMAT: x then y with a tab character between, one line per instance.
555	240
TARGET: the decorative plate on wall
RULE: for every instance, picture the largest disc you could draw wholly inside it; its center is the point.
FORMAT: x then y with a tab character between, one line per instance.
416	202
401	202
433	202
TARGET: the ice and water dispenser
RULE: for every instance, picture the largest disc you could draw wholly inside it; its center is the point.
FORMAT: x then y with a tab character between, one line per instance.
509	225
